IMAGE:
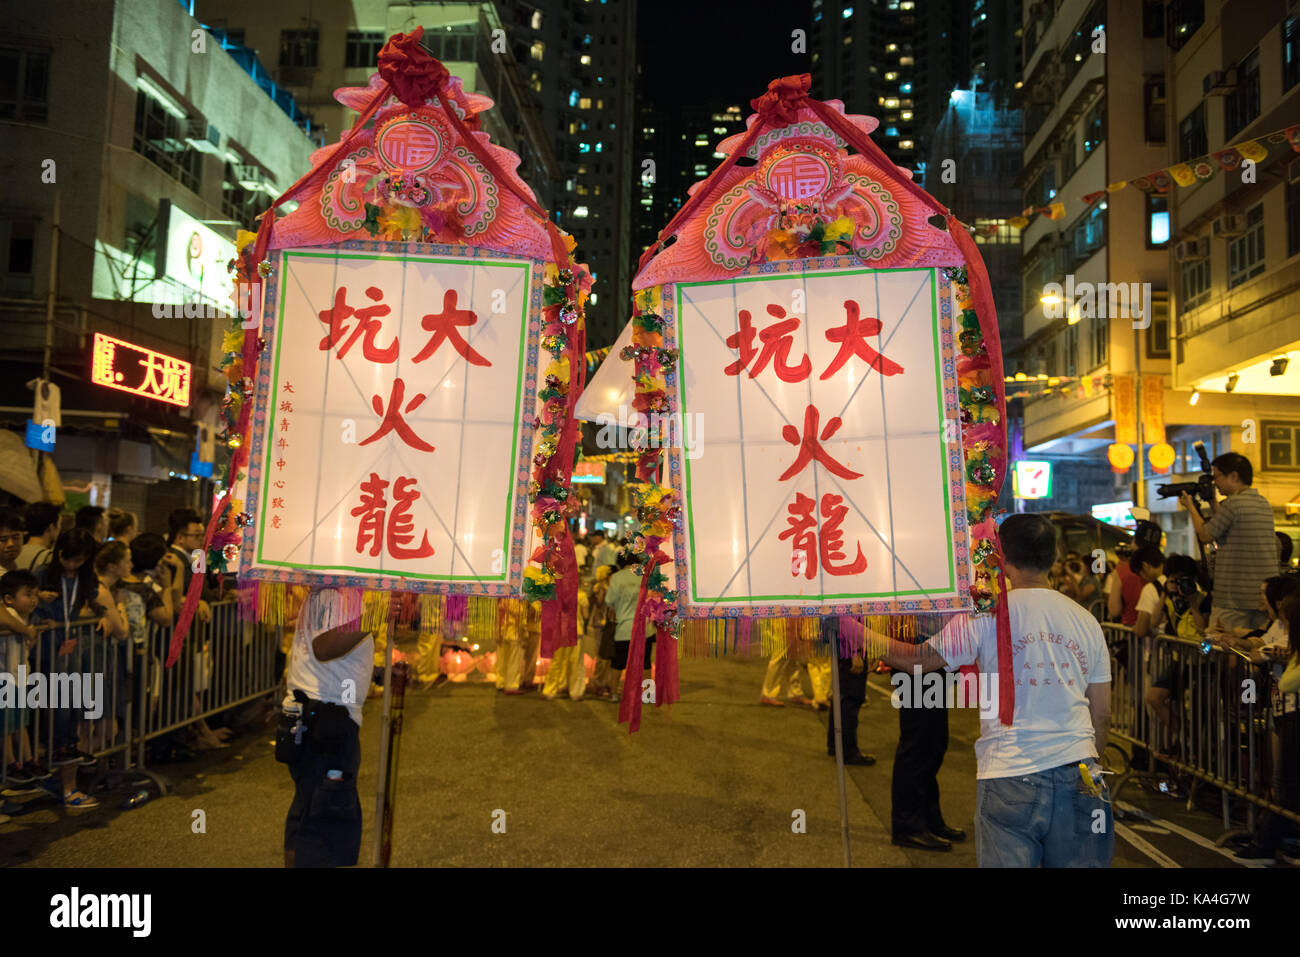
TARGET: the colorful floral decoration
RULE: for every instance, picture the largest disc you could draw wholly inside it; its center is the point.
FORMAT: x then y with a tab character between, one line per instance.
981	424
796	237
658	511
564	298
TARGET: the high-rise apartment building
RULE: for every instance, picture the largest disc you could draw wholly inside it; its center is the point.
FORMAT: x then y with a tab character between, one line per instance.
557	70
896	60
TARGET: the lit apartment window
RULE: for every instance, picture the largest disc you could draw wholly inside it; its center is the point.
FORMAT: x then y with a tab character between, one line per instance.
536	22
24	84
537	50
535	82
584	102
891	76
906	61
1157	217
1196	283
1094	127
1290	53
585	59
580	212
298	47
363	48
905	144
1246	253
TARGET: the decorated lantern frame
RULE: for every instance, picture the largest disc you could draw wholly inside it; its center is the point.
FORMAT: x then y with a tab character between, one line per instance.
817	230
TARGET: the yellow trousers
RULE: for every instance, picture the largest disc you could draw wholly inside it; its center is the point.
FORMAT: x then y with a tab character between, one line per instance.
428	663
517	662
567	673
782	679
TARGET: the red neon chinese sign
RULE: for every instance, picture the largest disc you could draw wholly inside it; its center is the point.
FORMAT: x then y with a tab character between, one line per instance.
140	371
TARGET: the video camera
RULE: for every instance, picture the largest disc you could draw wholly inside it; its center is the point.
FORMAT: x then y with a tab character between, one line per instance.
1202	488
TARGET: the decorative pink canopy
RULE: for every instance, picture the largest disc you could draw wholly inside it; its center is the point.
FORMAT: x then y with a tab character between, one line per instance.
413	156
802	172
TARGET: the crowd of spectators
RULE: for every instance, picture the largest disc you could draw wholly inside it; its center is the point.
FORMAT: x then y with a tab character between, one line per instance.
78	592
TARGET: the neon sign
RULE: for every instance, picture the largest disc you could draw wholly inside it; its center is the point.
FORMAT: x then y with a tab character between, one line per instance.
1033	479
140	371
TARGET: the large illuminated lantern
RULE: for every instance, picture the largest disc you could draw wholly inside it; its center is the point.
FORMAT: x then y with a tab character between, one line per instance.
822	333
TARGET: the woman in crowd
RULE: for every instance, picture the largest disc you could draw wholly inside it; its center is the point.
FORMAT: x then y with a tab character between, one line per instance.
122	526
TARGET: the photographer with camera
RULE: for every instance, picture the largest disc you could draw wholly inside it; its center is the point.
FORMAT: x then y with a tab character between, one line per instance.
1242	527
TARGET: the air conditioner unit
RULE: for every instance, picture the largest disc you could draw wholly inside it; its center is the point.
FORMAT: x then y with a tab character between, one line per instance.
1219	82
1293	172
1227	227
249	175
202	136
1192	251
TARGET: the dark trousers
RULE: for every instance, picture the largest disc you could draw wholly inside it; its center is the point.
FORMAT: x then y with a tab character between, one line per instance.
1272	828
922	741
853	691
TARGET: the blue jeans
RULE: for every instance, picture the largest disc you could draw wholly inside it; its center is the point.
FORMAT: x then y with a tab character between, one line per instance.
1046	819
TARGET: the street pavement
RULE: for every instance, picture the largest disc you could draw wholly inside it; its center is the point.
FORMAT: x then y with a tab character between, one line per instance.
717	780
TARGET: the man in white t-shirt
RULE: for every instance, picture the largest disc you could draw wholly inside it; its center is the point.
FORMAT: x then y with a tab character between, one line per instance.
1040	798
330	664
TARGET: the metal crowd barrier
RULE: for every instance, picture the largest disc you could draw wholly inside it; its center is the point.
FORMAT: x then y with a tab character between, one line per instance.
224	664
1218	726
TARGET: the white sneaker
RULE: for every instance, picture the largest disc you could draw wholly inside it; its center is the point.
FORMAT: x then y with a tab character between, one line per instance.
79	800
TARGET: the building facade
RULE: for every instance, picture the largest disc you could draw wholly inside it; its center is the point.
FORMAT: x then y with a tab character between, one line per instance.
134	145
1235	250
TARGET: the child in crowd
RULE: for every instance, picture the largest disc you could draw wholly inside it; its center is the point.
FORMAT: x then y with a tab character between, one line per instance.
18	601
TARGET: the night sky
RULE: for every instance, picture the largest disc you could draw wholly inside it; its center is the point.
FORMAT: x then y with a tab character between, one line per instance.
707	51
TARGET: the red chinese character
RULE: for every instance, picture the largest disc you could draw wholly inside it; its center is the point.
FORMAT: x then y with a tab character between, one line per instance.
803	532
278	484
810	447
282	443
444	325
400	522
163	375
284	425
367	326
286	406
280	463
288	386
371	510
832	539
852	339
392	418
827	544
277	503
776	339
275	521
371	529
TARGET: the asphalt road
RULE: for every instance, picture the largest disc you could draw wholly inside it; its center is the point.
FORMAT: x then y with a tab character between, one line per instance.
716	781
